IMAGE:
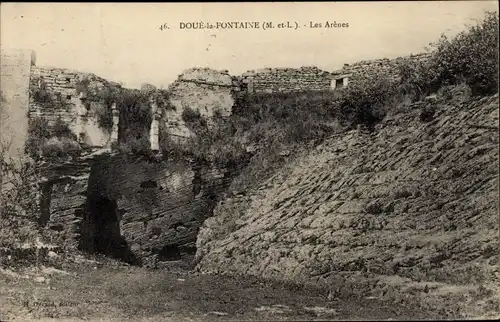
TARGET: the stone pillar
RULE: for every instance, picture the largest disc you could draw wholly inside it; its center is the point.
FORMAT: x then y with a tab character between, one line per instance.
116	121
345	81
250	85
333	84
154	131
81	117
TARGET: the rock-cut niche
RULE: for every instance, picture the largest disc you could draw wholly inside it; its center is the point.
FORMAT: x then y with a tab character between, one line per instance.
100	231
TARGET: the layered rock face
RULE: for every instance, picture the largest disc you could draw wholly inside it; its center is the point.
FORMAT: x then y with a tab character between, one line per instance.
142	211
414	204
63	200
154	209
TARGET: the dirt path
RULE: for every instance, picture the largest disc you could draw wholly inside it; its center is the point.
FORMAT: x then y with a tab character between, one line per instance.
135	294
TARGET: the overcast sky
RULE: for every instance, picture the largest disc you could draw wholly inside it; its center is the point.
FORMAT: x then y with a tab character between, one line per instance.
123	42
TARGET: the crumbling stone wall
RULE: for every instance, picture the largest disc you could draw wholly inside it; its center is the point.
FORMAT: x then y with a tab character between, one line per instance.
385	66
15	70
141	211
271	80
275	80
56	94
201	89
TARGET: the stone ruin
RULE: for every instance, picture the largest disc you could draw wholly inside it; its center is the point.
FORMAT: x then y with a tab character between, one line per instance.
140	210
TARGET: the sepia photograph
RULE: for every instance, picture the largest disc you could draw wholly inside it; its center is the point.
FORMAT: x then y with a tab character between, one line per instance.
249	161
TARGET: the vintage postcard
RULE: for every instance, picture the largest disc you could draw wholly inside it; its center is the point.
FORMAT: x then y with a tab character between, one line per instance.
249	161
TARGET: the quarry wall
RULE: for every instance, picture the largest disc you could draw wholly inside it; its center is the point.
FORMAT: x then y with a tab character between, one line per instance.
142	211
341	214
156	207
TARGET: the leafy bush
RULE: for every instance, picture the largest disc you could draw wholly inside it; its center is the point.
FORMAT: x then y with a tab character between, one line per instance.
417	78
61	129
50	142
471	57
82	86
38	132
60	147
139	145
365	101
47	98
191	116
18	202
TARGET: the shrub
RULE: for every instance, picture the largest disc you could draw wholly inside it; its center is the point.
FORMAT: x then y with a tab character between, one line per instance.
374	208
41	96
82	86
38	132
135	145
50	142
61	129
47	98
427	113
417	78
471	57
364	102
60	147
135	116
162	98
191	116
18	202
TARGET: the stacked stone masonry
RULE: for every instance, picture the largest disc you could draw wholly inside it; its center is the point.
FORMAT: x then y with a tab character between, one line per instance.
388	67
273	80
59	94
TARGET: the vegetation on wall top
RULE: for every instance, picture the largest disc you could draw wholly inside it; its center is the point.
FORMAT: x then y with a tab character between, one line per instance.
47	99
51	142
271	123
134	108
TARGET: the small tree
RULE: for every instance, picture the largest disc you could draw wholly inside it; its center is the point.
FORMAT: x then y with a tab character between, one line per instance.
18	199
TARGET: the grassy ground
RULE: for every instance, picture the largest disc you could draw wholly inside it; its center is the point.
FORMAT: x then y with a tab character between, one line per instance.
90	291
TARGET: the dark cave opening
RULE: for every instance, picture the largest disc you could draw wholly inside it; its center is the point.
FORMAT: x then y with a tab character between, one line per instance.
169	253
102	230
46	196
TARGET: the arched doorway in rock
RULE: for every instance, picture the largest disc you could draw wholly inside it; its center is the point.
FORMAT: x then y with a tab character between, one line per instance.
101	231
